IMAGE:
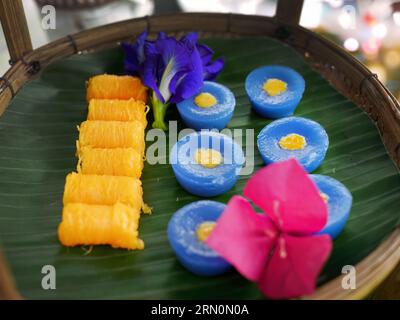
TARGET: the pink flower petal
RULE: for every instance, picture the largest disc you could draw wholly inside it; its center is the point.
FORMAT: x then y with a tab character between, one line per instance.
243	237
287	194
295	265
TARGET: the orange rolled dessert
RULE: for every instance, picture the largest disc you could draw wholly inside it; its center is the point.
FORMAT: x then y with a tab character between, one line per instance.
103	190
112	134
118	110
115	225
108	86
115	162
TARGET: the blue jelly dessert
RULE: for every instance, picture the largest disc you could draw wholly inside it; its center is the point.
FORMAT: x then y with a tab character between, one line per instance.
339	201
212	108
188	229
274	91
206	163
294	137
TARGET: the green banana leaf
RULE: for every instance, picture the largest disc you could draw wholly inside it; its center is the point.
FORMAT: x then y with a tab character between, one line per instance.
37	150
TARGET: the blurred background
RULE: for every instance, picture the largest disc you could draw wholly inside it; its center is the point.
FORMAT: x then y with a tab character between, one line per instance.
368	29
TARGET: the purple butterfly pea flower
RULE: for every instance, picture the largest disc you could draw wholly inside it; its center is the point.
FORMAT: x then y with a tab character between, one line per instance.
134	55
210	68
173	69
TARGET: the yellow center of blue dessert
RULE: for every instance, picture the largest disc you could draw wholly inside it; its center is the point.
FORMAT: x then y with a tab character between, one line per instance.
205	100
324	197
208	158
204	229
293	141
274	87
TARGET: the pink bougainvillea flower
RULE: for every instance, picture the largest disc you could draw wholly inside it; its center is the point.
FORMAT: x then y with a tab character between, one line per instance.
277	249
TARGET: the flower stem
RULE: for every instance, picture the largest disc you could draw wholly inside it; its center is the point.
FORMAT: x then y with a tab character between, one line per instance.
159	110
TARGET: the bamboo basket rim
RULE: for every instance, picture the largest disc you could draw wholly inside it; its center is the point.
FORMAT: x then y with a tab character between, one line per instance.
344	72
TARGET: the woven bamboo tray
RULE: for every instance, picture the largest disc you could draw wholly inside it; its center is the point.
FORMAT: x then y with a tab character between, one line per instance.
346	74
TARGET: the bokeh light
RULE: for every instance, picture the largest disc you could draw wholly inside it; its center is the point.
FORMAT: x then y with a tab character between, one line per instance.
351	44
